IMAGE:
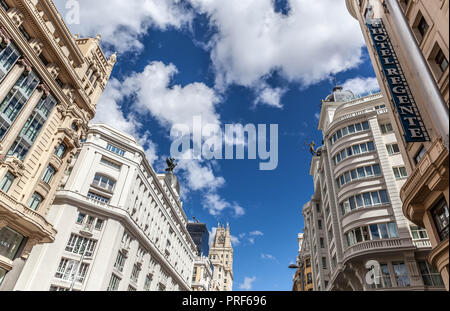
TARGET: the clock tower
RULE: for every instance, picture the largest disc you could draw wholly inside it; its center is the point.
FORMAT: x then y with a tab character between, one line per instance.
221	256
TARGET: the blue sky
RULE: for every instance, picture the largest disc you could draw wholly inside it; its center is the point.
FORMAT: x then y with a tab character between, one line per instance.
236	61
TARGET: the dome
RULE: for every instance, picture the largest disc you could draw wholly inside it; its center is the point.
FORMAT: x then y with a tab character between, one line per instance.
340	95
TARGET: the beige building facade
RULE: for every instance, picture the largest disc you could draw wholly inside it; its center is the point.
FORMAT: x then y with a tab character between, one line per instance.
50	83
221	256
416	33
354	220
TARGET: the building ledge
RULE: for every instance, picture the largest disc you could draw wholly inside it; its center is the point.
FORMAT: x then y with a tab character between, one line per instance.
439	255
377	246
431	174
29	221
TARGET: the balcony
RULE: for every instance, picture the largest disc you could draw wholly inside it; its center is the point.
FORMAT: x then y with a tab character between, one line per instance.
87	229
376	246
26	218
422	243
430	175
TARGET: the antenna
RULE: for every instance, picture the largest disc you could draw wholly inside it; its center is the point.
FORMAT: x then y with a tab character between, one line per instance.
195	219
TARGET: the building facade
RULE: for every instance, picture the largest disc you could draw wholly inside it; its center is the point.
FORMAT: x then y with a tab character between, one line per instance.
354	221
202	278
50	83
413	35
200	235
221	256
121	226
303	278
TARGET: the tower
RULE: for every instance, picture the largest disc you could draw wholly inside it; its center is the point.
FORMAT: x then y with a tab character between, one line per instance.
221	255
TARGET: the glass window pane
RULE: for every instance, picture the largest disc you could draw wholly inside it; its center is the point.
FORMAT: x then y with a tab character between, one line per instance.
361	172
359	201
375	198
367	200
384	196
383	231
377	170
393	233
374	232
365	125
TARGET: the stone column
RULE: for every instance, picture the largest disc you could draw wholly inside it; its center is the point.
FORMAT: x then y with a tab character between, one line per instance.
10	80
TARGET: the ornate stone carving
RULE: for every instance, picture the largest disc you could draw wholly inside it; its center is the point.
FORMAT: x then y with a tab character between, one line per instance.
26	63
5	39
37	45
44	88
16	16
54	70
15	166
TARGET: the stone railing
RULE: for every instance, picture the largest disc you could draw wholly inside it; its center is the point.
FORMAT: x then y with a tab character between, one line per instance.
376	246
422	243
33	218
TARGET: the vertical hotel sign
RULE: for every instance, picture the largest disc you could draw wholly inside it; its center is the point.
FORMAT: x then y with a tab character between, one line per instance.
413	127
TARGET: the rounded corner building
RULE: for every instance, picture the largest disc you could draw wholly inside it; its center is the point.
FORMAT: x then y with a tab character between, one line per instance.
359	237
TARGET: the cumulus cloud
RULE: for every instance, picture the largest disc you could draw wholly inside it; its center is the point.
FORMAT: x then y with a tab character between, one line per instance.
315	39
269	96
268	257
362	86
122	24
248	283
216	205
256	233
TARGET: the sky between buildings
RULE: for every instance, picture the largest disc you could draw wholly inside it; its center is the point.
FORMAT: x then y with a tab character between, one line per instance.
233	62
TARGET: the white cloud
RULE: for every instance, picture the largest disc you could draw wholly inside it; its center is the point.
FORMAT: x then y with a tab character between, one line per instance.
362	86
216	205
251	240
317	115
248	283
268	257
316	39
200	177
256	233
234	240
108	111
123	23
269	96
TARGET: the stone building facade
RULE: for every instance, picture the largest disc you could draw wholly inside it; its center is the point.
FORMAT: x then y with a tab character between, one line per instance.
418	32
121	226
221	256
50	83
354	221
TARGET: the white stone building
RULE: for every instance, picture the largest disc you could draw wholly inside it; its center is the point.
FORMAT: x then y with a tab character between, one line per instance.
355	215
202	278
221	256
120	225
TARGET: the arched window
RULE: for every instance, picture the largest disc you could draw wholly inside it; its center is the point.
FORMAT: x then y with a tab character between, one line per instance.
104	182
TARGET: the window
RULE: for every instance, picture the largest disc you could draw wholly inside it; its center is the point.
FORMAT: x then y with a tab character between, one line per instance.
354	150
354	128
98	197
54	288
25	33
16	99
10	242
422	27
104	182
430	276
48	174
386	128
419	155
70	269
35	201
318	208
7	182
367	199
324	263
440	217
115	149
359	173
99	224
61	150
400	172
8	57
114	283
401	276
309	278
148	282
322	243
441	60
81	245
392	149
372	232
80	218
135	272
308	263
418	233
384	279
120	261
4	5
320	224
